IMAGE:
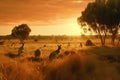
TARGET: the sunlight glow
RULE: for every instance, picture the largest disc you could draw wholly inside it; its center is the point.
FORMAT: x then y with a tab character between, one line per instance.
87	31
77	1
58	27
62	27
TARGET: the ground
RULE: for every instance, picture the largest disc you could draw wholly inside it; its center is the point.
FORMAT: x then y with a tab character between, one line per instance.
73	63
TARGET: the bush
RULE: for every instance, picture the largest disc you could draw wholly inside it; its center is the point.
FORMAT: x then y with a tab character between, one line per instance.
89	43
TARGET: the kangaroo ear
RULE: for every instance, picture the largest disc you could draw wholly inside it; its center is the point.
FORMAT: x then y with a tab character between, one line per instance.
59	45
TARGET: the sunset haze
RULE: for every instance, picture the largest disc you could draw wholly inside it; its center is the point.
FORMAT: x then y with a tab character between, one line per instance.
44	17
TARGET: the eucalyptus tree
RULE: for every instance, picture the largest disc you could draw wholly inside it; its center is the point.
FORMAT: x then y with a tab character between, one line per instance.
103	16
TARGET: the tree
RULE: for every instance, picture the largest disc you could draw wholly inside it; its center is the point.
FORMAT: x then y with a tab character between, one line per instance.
92	17
113	20
21	32
103	17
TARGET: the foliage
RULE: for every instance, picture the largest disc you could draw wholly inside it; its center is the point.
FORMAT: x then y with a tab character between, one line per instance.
103	17
21	31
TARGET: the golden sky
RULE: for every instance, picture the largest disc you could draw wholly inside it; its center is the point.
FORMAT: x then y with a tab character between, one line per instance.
45	17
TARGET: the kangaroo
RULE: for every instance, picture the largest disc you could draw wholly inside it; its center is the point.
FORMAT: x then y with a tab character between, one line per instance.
37	53
55	53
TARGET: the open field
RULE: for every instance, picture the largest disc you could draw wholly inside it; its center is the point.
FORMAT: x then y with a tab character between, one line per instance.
73	63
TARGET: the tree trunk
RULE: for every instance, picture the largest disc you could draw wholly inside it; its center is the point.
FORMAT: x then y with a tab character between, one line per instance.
118	41
114	35
20	50
102	39
113	40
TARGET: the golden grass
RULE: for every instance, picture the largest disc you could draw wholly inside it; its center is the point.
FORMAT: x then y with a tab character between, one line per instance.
73	63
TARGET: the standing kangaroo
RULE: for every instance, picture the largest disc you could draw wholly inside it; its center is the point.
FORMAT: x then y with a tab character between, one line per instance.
55	53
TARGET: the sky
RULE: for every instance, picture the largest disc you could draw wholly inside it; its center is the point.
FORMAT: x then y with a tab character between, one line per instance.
44	17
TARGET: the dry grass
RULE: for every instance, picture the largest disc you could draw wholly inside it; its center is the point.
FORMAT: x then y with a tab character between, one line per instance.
19	71
73	63
71	68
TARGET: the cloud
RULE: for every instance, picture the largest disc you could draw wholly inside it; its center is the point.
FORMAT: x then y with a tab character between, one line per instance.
46	11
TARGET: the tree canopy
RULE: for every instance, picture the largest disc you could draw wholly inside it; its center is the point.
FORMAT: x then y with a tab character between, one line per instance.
21	31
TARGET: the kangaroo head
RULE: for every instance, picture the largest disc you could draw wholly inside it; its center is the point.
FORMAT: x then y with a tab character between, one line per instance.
59	47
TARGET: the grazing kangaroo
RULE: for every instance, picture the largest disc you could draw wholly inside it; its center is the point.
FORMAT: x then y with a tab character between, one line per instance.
37	53
55	53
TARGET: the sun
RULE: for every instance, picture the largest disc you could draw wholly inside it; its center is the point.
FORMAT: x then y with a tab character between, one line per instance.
73	27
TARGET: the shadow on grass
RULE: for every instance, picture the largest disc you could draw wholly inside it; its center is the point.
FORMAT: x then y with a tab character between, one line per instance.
33	59
11	55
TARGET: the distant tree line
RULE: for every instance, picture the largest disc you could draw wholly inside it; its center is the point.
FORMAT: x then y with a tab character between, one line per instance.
51	37
5	37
